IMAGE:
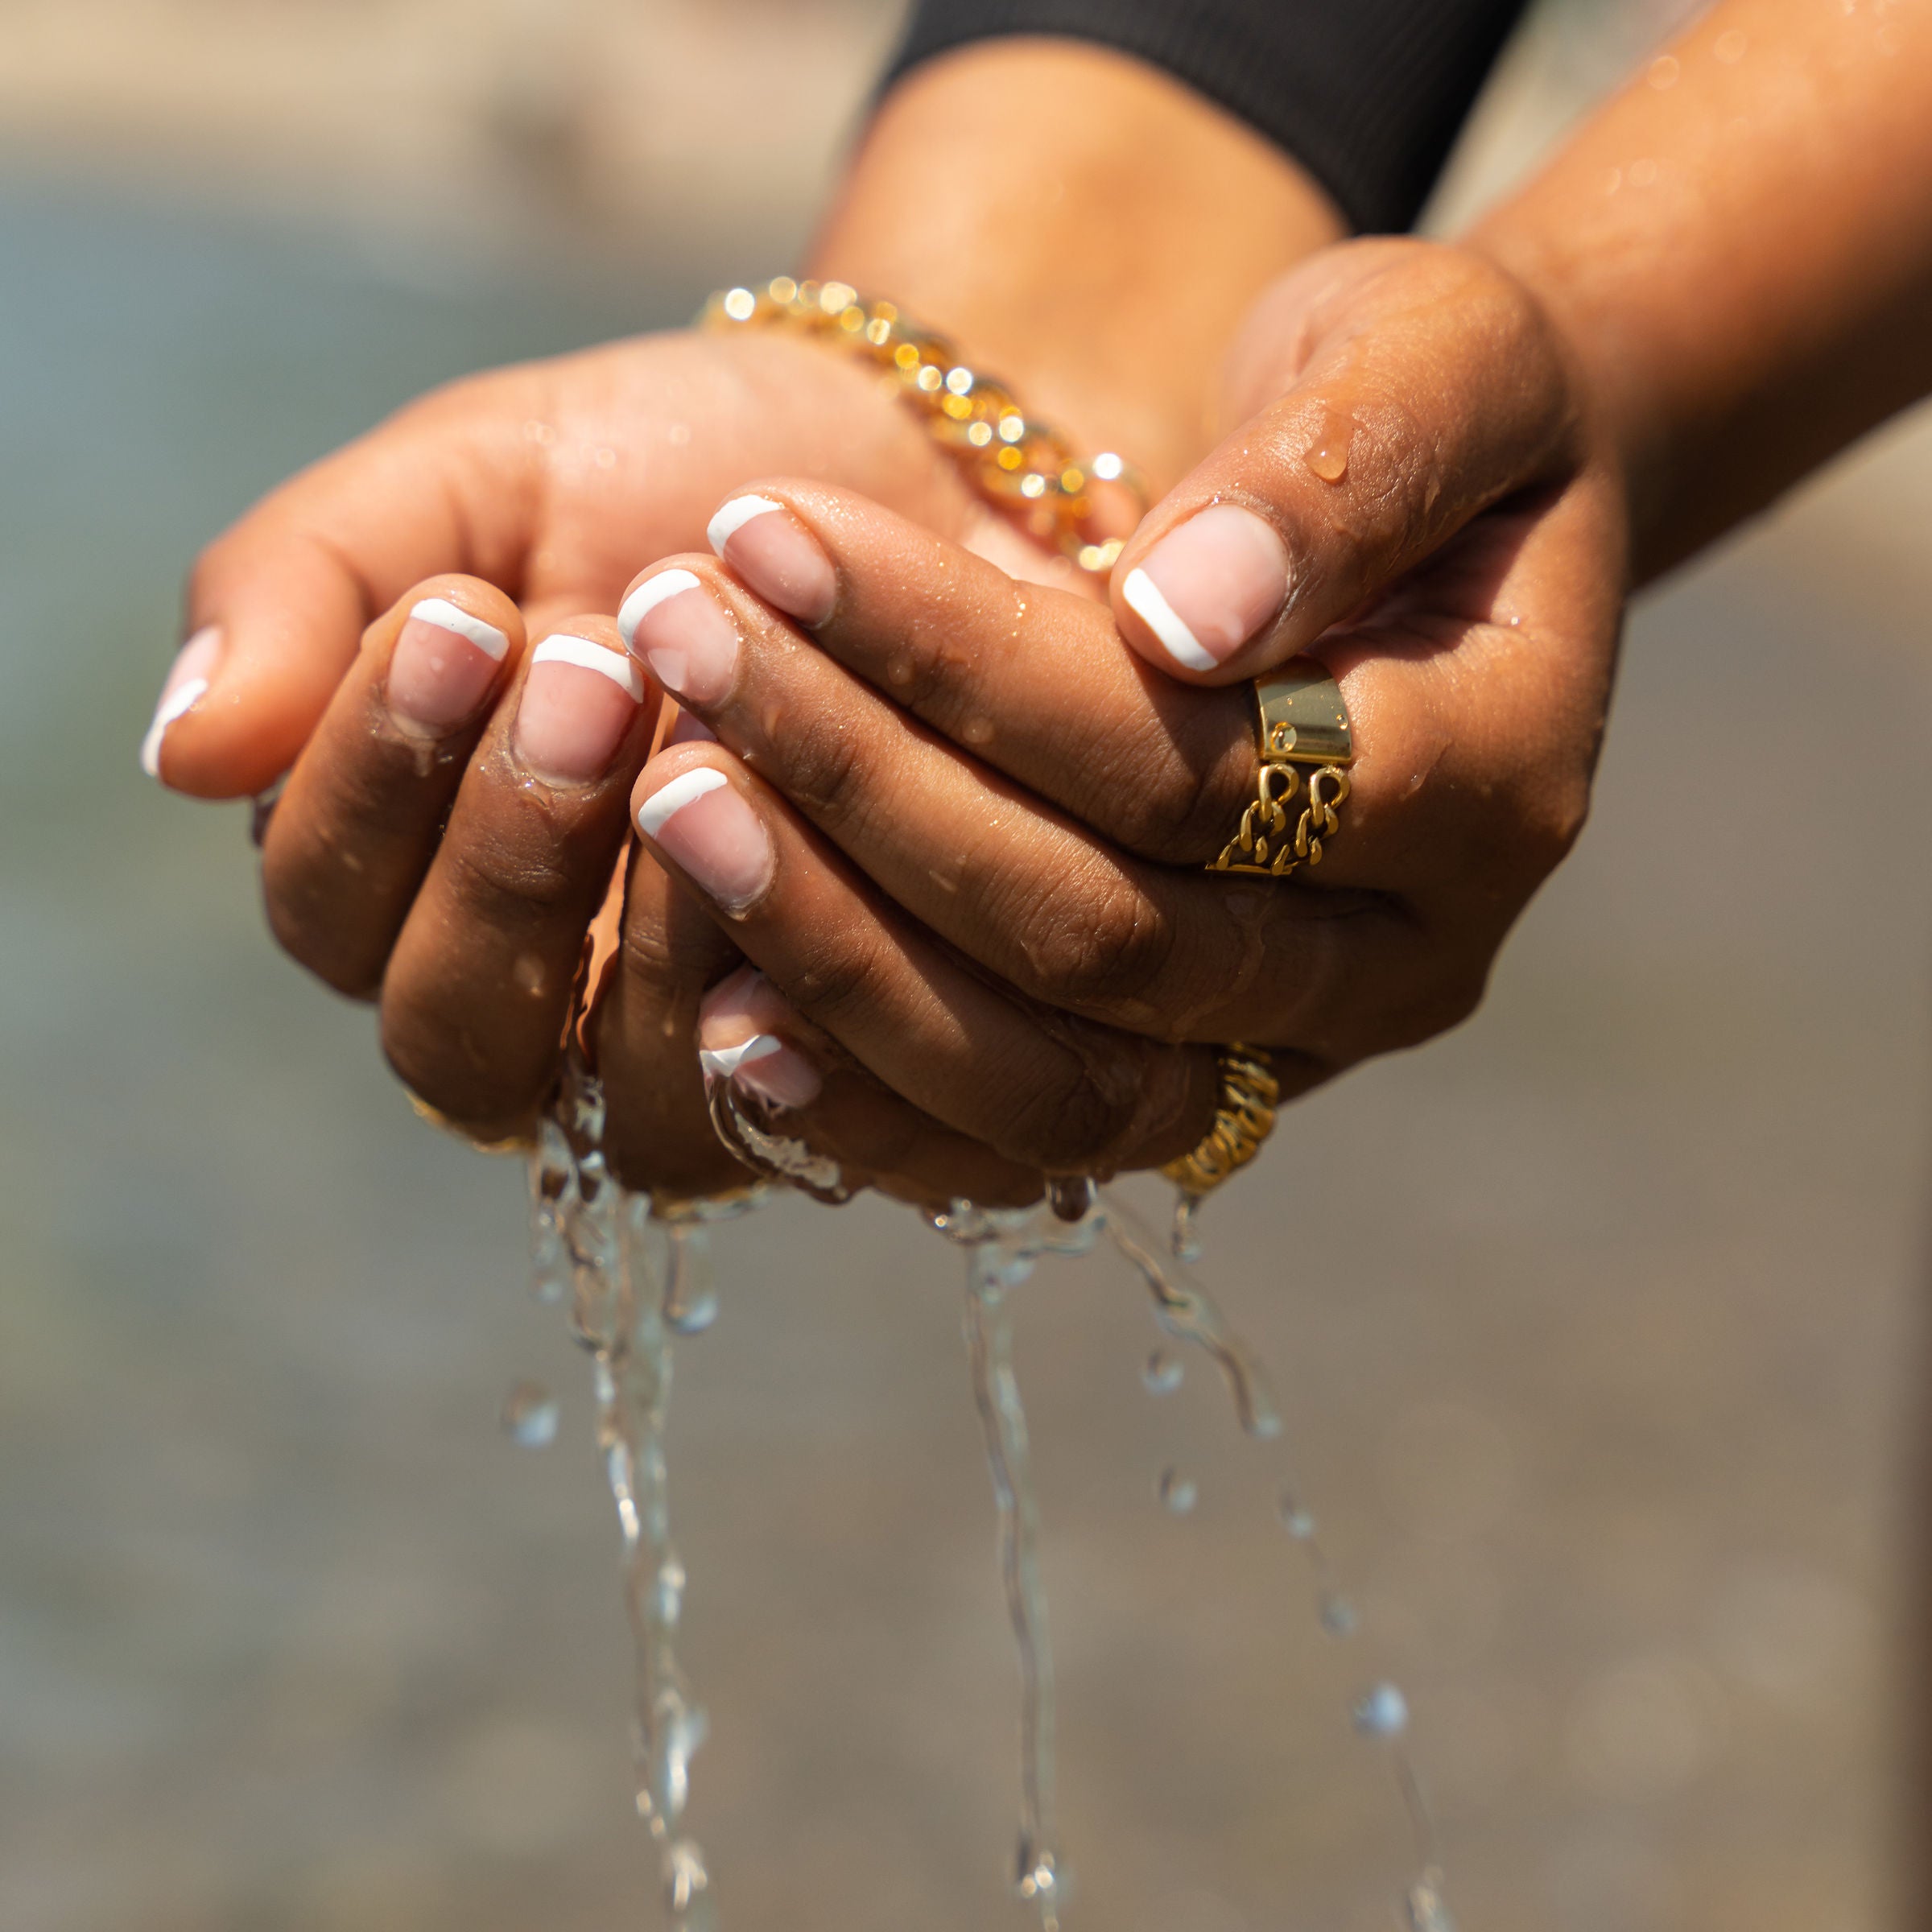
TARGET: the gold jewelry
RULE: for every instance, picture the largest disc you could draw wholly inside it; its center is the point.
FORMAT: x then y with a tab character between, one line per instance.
1242	1121
1302	739
515	1143
1013	460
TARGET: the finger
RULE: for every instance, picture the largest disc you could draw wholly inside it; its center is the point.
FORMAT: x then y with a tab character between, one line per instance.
277	603
790	1084
1033	682
658	1134
482	977
1048	1091
1434	389
356	826
1031	895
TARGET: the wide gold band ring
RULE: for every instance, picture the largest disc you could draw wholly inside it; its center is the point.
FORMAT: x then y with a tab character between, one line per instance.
1243	1120
1302	748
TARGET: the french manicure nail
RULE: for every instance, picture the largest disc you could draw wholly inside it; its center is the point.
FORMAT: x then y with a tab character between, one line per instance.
444	663
768	1067
711	833
186	685
736	1040
681	631
775	553
687	727
1207	587
577	703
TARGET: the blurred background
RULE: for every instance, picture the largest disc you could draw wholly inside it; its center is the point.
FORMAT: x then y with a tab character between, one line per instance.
1600	1339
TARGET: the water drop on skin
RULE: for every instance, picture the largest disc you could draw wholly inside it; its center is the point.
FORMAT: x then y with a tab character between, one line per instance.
529	1416
1327	456
1163	1373
1381	1711
1178	1493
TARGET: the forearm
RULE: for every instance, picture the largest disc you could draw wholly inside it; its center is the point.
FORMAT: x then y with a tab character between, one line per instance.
1739	246
1091	229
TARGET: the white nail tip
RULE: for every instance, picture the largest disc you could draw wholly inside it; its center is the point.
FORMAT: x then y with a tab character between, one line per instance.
586	656
647	596
722	1062
732	516
685	789
1143	595
182	698
447	616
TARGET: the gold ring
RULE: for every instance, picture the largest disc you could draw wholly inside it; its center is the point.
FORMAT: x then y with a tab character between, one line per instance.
1244	1120
1303	745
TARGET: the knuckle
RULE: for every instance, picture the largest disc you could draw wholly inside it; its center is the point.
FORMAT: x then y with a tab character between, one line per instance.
299	920
850	976
827	775
1102	941
495	881
1071	1115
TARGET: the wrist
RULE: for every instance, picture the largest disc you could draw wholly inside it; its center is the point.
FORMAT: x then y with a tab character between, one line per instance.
1101	271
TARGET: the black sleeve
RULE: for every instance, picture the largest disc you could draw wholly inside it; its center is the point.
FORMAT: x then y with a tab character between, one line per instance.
1367	95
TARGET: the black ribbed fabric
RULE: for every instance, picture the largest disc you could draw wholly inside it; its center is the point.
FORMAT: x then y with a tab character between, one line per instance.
1367	95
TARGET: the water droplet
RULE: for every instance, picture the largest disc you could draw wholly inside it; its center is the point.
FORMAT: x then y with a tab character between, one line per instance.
529	1416
1299	1522
1178	1493
1163	1373
1427	1913
1339	1615
1730	47
695	1317
685	1875
1183	1240
1071	1196
1327	456
1381	1711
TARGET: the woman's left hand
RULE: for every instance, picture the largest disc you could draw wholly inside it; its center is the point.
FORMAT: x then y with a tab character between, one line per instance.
962	828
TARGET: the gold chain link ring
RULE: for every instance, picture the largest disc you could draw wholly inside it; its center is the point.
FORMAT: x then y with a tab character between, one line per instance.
1019	465
1302	744
1244	1120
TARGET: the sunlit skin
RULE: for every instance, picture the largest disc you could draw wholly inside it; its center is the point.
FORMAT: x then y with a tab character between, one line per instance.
1468	454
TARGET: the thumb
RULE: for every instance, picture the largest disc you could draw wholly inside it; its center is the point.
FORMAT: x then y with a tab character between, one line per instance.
1422	385
277	604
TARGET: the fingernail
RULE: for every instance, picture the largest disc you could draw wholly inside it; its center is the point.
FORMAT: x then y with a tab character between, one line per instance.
578	702
1207	587
712	834
186	685
736	1043
444	663
775	553
687	728
679	629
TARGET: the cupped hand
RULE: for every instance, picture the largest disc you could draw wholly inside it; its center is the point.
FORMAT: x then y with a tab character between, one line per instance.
1410	421
549	481
963	831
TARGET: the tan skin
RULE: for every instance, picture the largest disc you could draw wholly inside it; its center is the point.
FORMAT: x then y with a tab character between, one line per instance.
1474	558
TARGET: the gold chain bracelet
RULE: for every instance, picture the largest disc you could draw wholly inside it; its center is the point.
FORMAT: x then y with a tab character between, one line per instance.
1018	465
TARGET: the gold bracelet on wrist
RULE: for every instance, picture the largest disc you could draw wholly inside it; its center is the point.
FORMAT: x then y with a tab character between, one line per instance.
1013	460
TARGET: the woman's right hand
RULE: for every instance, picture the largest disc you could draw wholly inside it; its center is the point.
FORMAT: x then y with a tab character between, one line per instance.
550	479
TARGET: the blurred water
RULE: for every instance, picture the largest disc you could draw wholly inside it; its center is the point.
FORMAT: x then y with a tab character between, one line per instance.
1593	1334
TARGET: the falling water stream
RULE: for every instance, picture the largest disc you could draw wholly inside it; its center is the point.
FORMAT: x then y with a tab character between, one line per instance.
633	1279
